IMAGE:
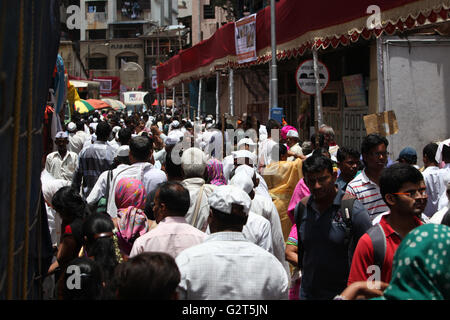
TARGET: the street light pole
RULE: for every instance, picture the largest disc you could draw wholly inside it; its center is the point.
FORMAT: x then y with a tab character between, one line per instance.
273	79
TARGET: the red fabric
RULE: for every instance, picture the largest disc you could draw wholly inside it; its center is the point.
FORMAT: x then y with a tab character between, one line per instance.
68	229
363	255
294	20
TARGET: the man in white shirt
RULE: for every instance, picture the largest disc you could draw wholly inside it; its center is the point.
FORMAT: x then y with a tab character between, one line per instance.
226	266
61	164
293	143
444	173
265	146
173	233
431	178
77	140
265	207
193	165
257	229
140	168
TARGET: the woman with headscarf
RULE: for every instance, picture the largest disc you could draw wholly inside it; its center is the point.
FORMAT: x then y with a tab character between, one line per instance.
215	172
131	221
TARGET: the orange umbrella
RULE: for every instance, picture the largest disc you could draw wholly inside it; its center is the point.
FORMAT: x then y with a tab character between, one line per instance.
98	104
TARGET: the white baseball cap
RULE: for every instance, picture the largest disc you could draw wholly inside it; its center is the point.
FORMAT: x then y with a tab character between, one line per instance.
223	198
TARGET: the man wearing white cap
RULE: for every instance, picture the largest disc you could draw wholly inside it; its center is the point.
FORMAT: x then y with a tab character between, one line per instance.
295	150
77	140
245	157
227	266
264	207
61	164
257	229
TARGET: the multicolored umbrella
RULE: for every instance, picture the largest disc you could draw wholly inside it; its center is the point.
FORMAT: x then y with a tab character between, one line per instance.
82	106
98	104
115	104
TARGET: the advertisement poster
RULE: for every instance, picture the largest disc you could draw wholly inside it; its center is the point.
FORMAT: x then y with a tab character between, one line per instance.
354	89
245	38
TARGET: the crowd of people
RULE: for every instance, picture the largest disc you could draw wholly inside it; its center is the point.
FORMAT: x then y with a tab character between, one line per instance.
144	206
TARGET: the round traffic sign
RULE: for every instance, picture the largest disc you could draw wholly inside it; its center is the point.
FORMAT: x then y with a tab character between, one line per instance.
306	80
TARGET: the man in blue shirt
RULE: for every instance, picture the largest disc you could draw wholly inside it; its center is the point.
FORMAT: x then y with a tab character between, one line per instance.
326	239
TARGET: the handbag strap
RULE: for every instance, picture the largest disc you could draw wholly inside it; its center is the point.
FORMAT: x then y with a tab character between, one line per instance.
197	205
108	182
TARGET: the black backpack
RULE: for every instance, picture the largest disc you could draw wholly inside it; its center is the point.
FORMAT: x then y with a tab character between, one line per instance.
375	233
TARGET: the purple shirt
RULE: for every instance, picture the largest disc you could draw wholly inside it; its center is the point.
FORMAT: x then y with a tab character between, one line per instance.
172	235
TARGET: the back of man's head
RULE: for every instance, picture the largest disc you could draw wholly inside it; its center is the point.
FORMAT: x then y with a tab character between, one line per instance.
272	124
147	276
429	152
175	197
102	131
141	148
394	177
193	163
124	135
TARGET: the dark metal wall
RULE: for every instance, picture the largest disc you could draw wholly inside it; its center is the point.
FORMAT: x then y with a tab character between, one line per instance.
29	39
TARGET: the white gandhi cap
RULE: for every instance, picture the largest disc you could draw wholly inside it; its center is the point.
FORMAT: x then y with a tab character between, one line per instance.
223	198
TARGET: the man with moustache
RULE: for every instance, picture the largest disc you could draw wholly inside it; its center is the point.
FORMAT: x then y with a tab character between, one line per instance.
365	186
326	238
404	191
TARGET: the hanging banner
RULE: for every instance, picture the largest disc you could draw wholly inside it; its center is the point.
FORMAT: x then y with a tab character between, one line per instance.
245	39
109	86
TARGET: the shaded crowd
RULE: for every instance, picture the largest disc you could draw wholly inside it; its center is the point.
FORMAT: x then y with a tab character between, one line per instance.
144	206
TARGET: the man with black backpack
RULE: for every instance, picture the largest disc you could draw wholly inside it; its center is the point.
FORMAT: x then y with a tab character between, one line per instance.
328	229
403	189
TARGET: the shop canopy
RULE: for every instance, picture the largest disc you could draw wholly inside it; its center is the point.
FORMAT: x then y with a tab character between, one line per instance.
302	25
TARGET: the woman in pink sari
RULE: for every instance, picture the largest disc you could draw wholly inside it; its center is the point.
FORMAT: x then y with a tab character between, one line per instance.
131	221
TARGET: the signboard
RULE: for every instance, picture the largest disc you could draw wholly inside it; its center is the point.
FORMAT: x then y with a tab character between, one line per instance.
134	98
245	39
355	92
109	86
305	79
154	78
384	123
105	85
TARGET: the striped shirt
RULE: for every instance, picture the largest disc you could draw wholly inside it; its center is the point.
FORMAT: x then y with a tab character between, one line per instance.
368	193
93	160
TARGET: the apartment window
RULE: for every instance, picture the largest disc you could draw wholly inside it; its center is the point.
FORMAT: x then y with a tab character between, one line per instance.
209	11
96	34
97	63
96	6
